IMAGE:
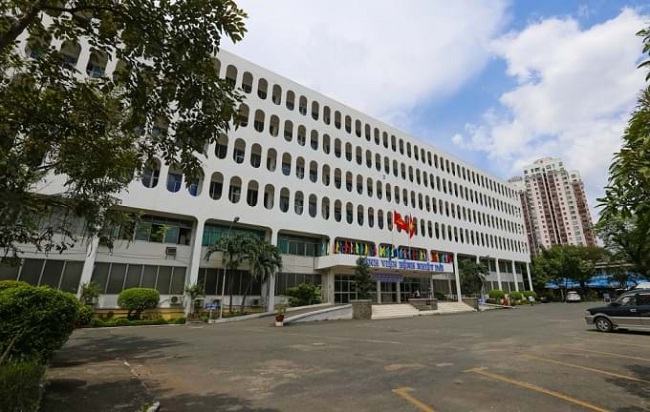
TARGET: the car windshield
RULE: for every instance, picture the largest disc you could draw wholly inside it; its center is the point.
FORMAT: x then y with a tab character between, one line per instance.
625	300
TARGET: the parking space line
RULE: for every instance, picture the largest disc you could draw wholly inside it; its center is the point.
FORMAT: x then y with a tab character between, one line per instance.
404	394
614	355
573	365
481	371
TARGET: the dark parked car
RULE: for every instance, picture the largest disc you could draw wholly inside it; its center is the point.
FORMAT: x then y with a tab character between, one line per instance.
631	310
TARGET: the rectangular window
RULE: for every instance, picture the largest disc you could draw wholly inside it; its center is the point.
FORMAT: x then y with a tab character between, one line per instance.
116	278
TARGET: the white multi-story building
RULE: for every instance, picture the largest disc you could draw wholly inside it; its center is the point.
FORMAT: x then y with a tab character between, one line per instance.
554	205
314	177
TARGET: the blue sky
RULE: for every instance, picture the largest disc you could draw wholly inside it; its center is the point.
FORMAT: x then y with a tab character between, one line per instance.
496	83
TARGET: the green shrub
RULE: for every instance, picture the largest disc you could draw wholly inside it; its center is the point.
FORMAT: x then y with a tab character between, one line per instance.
137	300
304	294
439	295
20	386
35	321
85	315
530	293
516	296
204	318
97	323
497	294
6	284
178	321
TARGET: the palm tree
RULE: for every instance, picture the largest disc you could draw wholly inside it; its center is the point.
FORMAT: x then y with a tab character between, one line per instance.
235	249
264	260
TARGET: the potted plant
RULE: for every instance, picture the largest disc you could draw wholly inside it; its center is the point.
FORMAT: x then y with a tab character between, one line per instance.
279	315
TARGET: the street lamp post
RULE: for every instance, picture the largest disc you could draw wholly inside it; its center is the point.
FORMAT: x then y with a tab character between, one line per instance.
225	271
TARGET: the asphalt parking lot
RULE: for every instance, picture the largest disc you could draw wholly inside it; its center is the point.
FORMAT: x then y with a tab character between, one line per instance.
541	358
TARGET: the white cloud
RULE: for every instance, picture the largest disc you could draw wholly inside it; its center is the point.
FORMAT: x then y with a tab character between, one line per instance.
380	57
575	90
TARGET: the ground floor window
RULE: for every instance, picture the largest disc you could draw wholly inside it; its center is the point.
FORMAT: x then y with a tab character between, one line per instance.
284	281
113	278
344	289
238	282
57	274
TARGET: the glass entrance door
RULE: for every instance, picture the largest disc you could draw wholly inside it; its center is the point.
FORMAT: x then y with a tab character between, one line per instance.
388	292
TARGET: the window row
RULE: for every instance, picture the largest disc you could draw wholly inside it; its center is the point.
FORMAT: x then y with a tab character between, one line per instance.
57	274
351	153
351	183
357	127
113	278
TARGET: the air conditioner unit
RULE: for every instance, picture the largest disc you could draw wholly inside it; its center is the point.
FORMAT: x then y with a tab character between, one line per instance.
170	251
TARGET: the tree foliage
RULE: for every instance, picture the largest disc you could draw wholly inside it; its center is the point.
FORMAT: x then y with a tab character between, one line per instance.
363	282
35	321
263	258
559	264
95	133
628	239
472	276
137	300
304	294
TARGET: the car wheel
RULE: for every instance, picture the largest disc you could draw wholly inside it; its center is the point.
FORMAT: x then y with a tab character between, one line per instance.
603	324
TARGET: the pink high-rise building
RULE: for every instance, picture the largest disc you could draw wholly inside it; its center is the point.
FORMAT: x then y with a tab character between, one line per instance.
554	205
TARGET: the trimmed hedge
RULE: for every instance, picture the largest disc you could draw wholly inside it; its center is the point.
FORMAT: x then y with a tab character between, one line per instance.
6	284
85	315
496	294
99	323
516	296
530	293
35	321
137	300
21	386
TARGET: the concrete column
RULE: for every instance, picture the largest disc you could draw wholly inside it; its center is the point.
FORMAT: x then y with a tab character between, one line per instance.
270	301
496	262
399	290
195	259
530	279
457	276
378	292
514	276
89	263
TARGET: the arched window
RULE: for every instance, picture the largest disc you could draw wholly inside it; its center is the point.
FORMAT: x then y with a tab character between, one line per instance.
256	155
277	94
251	195
325	208
231	75
240	151
286	164
302	107
259	121
288	130
314	110
262	88
216	185
174	180
298	203
274	126
247	82
151	174
194	185
271	159
284	199
243	115
269	193
221	147
312	205
291	98
234	191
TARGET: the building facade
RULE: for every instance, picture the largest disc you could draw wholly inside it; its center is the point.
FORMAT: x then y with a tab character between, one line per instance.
554	205
318	179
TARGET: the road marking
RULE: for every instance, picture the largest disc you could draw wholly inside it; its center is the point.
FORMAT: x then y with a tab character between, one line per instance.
573	365
614	354
536	388
404	394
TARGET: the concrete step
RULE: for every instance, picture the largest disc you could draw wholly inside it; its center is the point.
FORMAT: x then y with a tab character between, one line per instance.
454	307
389	311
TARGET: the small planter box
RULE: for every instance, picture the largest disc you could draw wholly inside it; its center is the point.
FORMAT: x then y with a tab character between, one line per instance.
361	309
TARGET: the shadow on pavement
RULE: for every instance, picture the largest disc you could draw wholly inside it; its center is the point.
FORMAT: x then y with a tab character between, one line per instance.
640	389
77	395
207	403
85	349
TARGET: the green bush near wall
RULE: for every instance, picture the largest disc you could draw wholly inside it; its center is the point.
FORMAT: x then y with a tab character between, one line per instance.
21	386
6	284
530	293
99	323
496	294
35	321
515	296
137	300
